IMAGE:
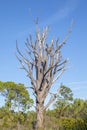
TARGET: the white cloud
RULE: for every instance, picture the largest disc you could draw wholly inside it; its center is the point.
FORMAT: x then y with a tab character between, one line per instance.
65	11
78	83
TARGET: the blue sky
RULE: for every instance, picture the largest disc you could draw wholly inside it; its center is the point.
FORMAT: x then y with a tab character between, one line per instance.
16	22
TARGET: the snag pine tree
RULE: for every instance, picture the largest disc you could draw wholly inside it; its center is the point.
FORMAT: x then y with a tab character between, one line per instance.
44	65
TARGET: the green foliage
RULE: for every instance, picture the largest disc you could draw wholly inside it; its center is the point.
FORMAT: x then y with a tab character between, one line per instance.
68	114
77	107
83	113
66	93
72	124
63	101
1	86
16	95
65	97
67	123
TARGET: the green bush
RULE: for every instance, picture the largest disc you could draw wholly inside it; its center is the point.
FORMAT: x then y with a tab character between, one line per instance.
72	124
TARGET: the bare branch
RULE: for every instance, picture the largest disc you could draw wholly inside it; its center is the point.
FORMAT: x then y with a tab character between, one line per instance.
52	99
63	69
67	36
23	66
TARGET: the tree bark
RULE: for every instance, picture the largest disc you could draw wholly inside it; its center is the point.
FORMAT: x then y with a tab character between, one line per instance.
44	66
39	112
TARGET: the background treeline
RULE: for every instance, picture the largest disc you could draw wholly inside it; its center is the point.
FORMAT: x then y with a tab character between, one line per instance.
67	113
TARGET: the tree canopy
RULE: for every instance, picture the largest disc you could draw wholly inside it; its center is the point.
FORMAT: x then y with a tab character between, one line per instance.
16	96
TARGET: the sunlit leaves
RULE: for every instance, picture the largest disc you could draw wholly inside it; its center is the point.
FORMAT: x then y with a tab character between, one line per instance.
16	96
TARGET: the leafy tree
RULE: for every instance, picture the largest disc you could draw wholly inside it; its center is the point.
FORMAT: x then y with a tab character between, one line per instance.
63	101
83	112
72	124
16	96
77	107
1	86
44	65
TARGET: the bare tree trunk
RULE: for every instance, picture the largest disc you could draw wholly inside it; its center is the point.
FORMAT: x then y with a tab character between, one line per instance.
39	116
18	125
43	66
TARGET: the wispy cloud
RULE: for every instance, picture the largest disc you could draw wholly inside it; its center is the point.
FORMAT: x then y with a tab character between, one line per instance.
78	83
65	11
78	86
60	14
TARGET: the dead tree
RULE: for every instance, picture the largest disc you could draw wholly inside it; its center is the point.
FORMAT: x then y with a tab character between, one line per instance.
44	65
